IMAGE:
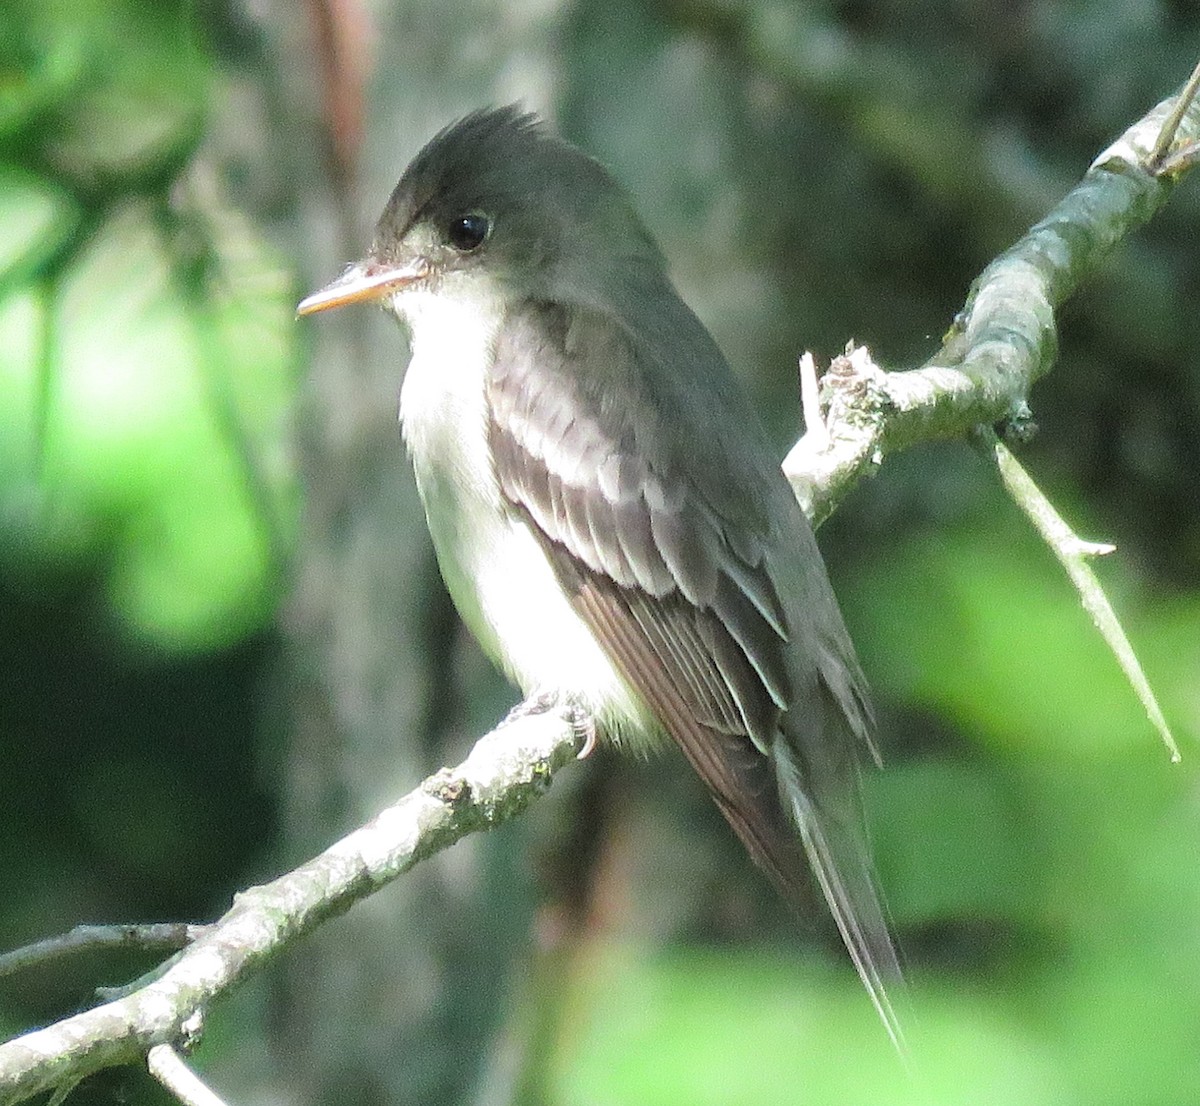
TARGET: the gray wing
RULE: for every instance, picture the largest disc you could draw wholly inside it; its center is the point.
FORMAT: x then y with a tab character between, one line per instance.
669	548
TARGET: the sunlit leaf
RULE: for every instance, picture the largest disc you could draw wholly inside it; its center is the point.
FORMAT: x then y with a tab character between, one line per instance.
161	398
36	218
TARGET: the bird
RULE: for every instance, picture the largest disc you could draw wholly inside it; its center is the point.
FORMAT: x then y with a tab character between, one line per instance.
606	508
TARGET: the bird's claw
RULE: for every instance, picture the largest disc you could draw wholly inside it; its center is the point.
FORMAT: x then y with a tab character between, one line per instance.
580	718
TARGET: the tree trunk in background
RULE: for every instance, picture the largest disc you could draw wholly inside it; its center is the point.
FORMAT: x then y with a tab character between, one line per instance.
394	1003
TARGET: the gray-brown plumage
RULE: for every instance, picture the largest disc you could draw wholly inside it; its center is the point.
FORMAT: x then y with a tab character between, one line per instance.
606	508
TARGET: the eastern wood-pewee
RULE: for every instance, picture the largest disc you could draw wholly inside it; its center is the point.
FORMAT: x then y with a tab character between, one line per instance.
607	511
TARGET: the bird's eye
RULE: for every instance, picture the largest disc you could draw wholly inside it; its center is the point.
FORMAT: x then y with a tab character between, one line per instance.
467	232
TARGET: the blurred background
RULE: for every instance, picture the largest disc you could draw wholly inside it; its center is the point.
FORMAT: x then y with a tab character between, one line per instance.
224	643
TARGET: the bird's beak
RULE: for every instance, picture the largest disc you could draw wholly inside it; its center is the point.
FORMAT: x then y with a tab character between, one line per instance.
360	283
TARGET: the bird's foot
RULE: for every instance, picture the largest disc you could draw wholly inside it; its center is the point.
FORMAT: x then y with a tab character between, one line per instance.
584	725
580	717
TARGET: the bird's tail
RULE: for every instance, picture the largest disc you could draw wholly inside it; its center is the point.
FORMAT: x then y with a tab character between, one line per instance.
835	843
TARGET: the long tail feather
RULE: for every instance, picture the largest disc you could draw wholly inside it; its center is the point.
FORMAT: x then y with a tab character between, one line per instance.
840	860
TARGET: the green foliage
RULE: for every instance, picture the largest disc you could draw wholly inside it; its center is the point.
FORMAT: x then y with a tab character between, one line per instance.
107	95
738	1029
36	219
147	360
978	624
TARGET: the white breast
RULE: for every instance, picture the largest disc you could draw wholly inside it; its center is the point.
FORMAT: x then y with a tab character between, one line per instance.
498	576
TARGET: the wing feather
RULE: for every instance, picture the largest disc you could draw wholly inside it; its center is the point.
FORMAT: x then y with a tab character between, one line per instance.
723	625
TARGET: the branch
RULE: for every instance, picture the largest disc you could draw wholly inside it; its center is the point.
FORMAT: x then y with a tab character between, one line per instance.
89	938
1001	343
1073	554
169	1068
504	773
1004	338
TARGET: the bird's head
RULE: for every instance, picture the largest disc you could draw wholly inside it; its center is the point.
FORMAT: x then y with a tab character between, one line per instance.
497	198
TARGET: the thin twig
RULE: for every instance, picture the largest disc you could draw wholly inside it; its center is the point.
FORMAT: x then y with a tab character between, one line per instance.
60	1095
810	401
120	990
169	1068
1073	554
1171	124
1179	160
151	937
